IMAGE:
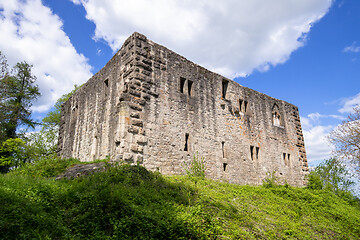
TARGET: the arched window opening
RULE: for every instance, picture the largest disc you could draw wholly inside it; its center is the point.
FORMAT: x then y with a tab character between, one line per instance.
276	117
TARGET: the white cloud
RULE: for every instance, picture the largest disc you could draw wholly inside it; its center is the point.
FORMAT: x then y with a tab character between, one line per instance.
31	32
233	37
317	146
350	103
352	48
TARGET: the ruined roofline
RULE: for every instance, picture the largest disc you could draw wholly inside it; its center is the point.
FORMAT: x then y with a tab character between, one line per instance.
138	35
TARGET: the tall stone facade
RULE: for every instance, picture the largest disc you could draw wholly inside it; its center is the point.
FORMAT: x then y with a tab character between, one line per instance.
151	106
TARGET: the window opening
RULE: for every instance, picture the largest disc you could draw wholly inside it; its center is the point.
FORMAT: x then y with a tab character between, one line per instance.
284	157
182	84
245	105
186	148
224	165
257	152
225	84
222	146
106	82
240	105
288	161
190	83
276	118
252	152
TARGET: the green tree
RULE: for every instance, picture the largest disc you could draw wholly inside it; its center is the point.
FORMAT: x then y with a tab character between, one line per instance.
333	175
18	91
52	120
13	154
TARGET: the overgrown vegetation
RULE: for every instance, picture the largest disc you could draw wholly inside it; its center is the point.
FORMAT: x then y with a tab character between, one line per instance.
196	167
129	202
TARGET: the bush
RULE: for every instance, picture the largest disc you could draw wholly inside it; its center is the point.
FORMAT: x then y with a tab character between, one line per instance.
196	168
12	154
271	180
45	167
331	175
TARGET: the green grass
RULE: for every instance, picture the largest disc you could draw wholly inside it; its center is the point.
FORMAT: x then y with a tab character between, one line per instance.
129	202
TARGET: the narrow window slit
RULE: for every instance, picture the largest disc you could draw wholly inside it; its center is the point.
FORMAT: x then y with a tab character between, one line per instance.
225	84
222	146
224	165
182	84
245	105
186	148
257	152
252	152
240	105
190	83
288	160
106	82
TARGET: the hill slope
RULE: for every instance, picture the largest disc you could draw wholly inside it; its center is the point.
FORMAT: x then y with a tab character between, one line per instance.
128	202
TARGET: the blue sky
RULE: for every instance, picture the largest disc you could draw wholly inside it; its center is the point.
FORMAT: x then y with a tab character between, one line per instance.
304	52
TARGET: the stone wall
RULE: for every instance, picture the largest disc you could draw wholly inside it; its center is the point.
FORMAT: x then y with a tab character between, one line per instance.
152	106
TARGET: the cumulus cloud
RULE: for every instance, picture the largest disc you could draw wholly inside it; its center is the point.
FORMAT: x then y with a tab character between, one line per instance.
350	103
31	32
353	48
233	37
318	147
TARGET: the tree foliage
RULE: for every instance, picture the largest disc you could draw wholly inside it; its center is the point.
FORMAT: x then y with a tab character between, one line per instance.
18	91
333	175
52	120
13	154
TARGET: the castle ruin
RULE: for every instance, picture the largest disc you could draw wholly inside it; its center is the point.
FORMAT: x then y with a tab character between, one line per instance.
151	106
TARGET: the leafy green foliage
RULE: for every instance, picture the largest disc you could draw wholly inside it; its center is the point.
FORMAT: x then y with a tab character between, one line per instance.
196	168
332	175
13	154
52	120
17	93
45	167
271	180
129	202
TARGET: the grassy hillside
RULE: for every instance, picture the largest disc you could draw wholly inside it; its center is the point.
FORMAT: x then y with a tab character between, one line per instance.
128	202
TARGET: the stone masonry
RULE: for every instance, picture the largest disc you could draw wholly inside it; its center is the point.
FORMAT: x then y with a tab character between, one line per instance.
151	106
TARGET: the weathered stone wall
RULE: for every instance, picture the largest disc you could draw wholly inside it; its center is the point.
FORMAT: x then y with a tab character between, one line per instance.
152	106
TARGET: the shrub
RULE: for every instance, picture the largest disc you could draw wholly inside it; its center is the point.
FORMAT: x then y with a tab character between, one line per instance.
45	167
196	168
271	180
12	154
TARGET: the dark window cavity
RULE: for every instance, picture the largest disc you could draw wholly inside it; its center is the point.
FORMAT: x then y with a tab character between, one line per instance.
257	152
106	82
182	84
225	84
186	148
224	166
252	152
190	83
222	147
243	105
